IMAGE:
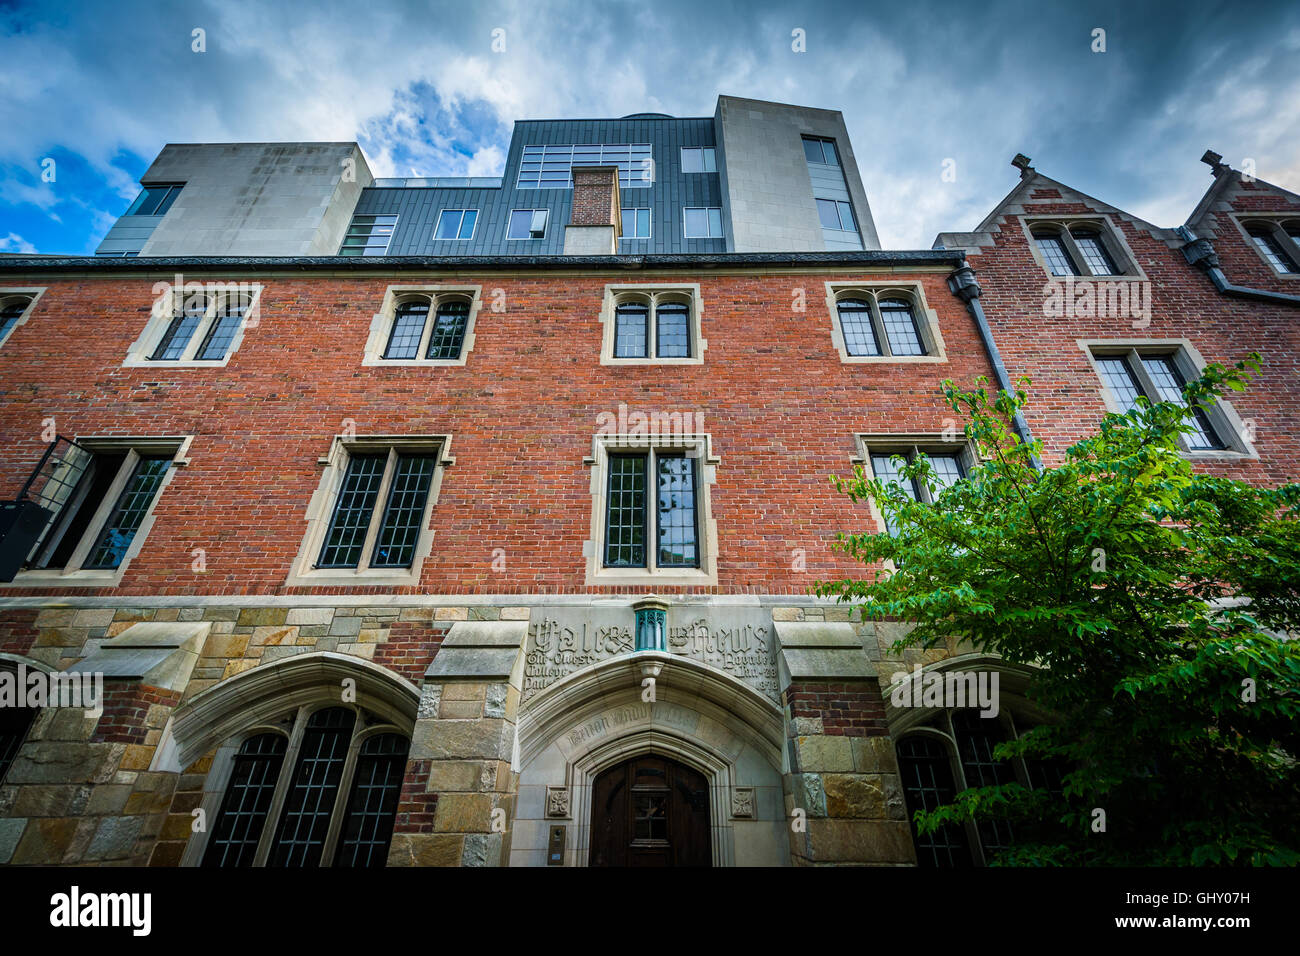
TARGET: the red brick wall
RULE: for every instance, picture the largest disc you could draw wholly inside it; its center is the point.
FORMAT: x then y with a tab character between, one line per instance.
781	406
854	709
17	631
416	807
126	705
410	648
1066	397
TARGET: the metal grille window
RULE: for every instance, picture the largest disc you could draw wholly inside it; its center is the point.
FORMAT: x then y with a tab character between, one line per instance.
858	328
1053	250
1271	249
408	329
636	224
926	775
628	516
1094	253
328	762
11	310
551	167
380	510
97	500
884	325
702	222
372	805
456	224
657	325
155	200
448	330
527	224
368	236
1157	378
247	802
15	722
699	159
181	329
300	839
129	512
946	469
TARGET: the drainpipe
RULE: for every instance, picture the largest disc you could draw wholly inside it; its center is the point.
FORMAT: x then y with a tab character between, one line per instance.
1200	252
964	286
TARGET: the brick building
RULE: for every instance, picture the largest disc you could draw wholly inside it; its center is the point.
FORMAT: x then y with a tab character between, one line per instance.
403	524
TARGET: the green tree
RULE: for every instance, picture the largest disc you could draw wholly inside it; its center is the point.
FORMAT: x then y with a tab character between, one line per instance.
1153	603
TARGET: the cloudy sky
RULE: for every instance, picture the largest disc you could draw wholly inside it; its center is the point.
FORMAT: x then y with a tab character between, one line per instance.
99	87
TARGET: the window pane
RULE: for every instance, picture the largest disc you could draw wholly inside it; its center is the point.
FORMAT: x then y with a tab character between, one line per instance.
408	329
467	224
710	160
828	214
631	328
715	222
368	235
352	512
846	217
1117	377
448	330
372	805
625	512
395	546
1169	388
1272	250
1095	255
74	523
900	327
859	333
309	804
677	538
629	223
448	224
10	315
672	332
520	221
14	724
169	197
812	150
247	801
1053	251
181	330
697	223
926	774
128	513
223	330
692	160
945	471
887	470
643	223
538	228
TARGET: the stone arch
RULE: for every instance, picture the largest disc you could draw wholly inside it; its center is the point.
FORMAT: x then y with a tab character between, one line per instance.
1013	680
700	716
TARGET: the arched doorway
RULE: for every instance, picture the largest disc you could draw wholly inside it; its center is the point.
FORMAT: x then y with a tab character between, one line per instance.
650	811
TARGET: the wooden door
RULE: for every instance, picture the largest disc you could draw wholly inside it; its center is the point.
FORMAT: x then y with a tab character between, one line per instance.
650	811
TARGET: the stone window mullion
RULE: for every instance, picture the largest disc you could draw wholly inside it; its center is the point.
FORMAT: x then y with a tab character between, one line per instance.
201	330
377	516
287	770
878	324
341	798
1074	252
427	333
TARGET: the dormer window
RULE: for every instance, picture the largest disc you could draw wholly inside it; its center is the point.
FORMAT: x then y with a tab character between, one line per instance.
1080	248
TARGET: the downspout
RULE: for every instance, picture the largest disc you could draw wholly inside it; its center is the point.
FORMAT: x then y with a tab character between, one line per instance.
964	286
1200	253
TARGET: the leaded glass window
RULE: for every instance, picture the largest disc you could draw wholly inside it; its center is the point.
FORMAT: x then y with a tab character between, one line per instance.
900	327
1054	253
653	325
10	312
1157	378
676	506
672	523
1094	253
883	324
631	330
313	791
926	774
401	523
181	329
127	515
976	738
448	330
230	315
945	471
672	330
372	804
1271	249
247	802
408	329
858	328
353	512
625	511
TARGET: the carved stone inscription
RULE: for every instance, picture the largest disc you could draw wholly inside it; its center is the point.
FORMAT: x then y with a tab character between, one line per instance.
738	641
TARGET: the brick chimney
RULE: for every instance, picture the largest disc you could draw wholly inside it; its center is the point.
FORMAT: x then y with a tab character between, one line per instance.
597	219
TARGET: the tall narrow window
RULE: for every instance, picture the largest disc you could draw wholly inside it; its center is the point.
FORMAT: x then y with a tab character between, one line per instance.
401	523
314	789
230	315
625	512
408	329
900	327
672	330
1094	253
676	507
928	784
1053	250
181	330
976	738
353	512
448	330
247	802
372	804
675	528
859	331
632	330
132	505
1157	378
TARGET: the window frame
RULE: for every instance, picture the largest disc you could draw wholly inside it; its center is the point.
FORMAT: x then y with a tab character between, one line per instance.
1063	227
1188	361
869	444
925	319
347	234
459	224
1277	224
695	445
652	295
292	726
822	141
533	212
161	316
304	571
169	197
382	323
649	223
722	225
10	295
708	158
74	573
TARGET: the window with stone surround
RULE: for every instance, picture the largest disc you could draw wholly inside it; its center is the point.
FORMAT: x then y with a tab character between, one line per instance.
651	325
1157	370
368	521
652	522
423	325
1084	246
883	322
100	494
319	787
950	751
884	456
16	306
1276	239
197	326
